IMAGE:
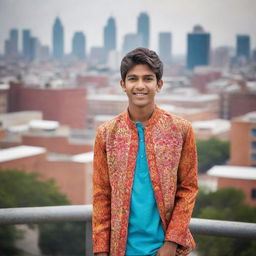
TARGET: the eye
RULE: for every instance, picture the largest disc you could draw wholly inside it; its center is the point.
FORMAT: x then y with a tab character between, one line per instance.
131	79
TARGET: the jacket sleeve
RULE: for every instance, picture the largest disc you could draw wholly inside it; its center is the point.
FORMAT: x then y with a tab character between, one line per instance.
187	188
101	198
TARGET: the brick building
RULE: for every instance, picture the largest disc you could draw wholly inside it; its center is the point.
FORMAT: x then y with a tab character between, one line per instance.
72	173
239	177
243	140
200	80
93	81
68	106
239	103
3	98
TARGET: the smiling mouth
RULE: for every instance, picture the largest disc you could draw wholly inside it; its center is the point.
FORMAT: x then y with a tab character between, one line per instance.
139	93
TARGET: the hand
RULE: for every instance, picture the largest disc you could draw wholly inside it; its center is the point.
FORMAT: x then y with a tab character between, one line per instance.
168	249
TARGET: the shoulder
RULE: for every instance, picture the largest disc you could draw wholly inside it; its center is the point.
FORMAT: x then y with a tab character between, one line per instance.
110	126
175	122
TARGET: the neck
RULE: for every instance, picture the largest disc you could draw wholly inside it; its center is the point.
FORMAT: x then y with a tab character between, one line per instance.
141	114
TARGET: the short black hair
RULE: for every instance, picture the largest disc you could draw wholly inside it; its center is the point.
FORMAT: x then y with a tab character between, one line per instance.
142	56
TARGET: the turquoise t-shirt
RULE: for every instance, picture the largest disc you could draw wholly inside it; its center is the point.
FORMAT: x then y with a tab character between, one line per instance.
145	231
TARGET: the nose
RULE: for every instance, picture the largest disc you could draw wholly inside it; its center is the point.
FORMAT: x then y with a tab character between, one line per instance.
140	84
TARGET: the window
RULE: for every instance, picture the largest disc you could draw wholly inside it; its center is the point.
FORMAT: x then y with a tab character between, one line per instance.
253	131
253	193
253	156
254	144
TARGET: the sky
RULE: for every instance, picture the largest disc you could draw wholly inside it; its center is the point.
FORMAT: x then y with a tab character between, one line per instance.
224	19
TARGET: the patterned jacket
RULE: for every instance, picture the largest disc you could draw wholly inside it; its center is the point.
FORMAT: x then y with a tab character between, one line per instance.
172	161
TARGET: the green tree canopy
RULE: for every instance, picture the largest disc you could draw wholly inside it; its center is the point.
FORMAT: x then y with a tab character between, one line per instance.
21	189
224	204
211	152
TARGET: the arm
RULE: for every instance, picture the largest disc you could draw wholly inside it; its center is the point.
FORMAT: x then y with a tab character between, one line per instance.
187	187
101	199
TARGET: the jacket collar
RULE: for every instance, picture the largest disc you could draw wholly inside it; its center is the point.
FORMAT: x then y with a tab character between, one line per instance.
153	119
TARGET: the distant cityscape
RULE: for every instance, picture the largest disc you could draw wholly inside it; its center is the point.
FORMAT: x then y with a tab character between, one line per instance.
52	102
199	52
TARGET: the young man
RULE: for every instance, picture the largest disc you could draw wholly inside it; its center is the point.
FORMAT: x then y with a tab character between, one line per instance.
145	171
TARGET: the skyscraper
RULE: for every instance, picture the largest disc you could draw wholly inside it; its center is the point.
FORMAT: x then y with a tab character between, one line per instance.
143	28
14	40
198	48
34	48
131	41
78	45
243	46
58	39
164	47
26	46
110	35
11	45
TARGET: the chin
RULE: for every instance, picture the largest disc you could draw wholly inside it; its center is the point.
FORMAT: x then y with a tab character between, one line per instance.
141	105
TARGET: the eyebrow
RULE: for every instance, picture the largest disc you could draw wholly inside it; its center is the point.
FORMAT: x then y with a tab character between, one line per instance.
149	75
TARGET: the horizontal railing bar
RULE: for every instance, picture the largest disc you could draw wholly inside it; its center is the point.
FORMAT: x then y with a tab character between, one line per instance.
29	215
45	214
223	228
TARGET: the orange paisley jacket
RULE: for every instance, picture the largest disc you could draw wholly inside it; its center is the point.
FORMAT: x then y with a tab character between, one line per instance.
172	161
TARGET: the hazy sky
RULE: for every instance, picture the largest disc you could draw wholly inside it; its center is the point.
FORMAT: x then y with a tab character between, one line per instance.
222	18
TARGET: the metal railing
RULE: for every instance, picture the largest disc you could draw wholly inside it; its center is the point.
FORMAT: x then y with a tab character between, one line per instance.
29	215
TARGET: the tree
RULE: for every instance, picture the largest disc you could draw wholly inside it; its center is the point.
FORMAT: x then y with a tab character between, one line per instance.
224	204
211	152
20	189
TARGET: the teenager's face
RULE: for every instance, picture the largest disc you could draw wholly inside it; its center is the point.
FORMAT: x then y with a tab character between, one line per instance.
141	86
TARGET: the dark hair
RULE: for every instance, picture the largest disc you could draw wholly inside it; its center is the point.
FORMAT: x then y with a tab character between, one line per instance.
141	56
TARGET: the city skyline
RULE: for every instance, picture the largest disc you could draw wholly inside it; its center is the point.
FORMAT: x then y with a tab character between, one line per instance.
181	18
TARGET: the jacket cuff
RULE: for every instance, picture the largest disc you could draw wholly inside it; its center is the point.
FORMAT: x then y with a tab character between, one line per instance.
101	244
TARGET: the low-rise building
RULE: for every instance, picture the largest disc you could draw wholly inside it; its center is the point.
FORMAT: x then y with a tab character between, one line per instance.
72	173
239	177
243	140
217	128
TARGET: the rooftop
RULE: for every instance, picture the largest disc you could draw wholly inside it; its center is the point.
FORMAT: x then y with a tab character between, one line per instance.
103	118
83	158
234	172
215	126
107	97
189	97
19	152
43	124
180	110
248	118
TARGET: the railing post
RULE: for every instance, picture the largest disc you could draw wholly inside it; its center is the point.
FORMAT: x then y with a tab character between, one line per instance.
88	238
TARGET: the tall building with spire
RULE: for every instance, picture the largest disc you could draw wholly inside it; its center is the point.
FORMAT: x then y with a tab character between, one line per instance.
198	48
79	45
110	35
58	39
164	47
143	28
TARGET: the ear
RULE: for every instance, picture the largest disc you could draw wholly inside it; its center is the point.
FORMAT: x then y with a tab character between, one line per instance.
122	83
160	84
